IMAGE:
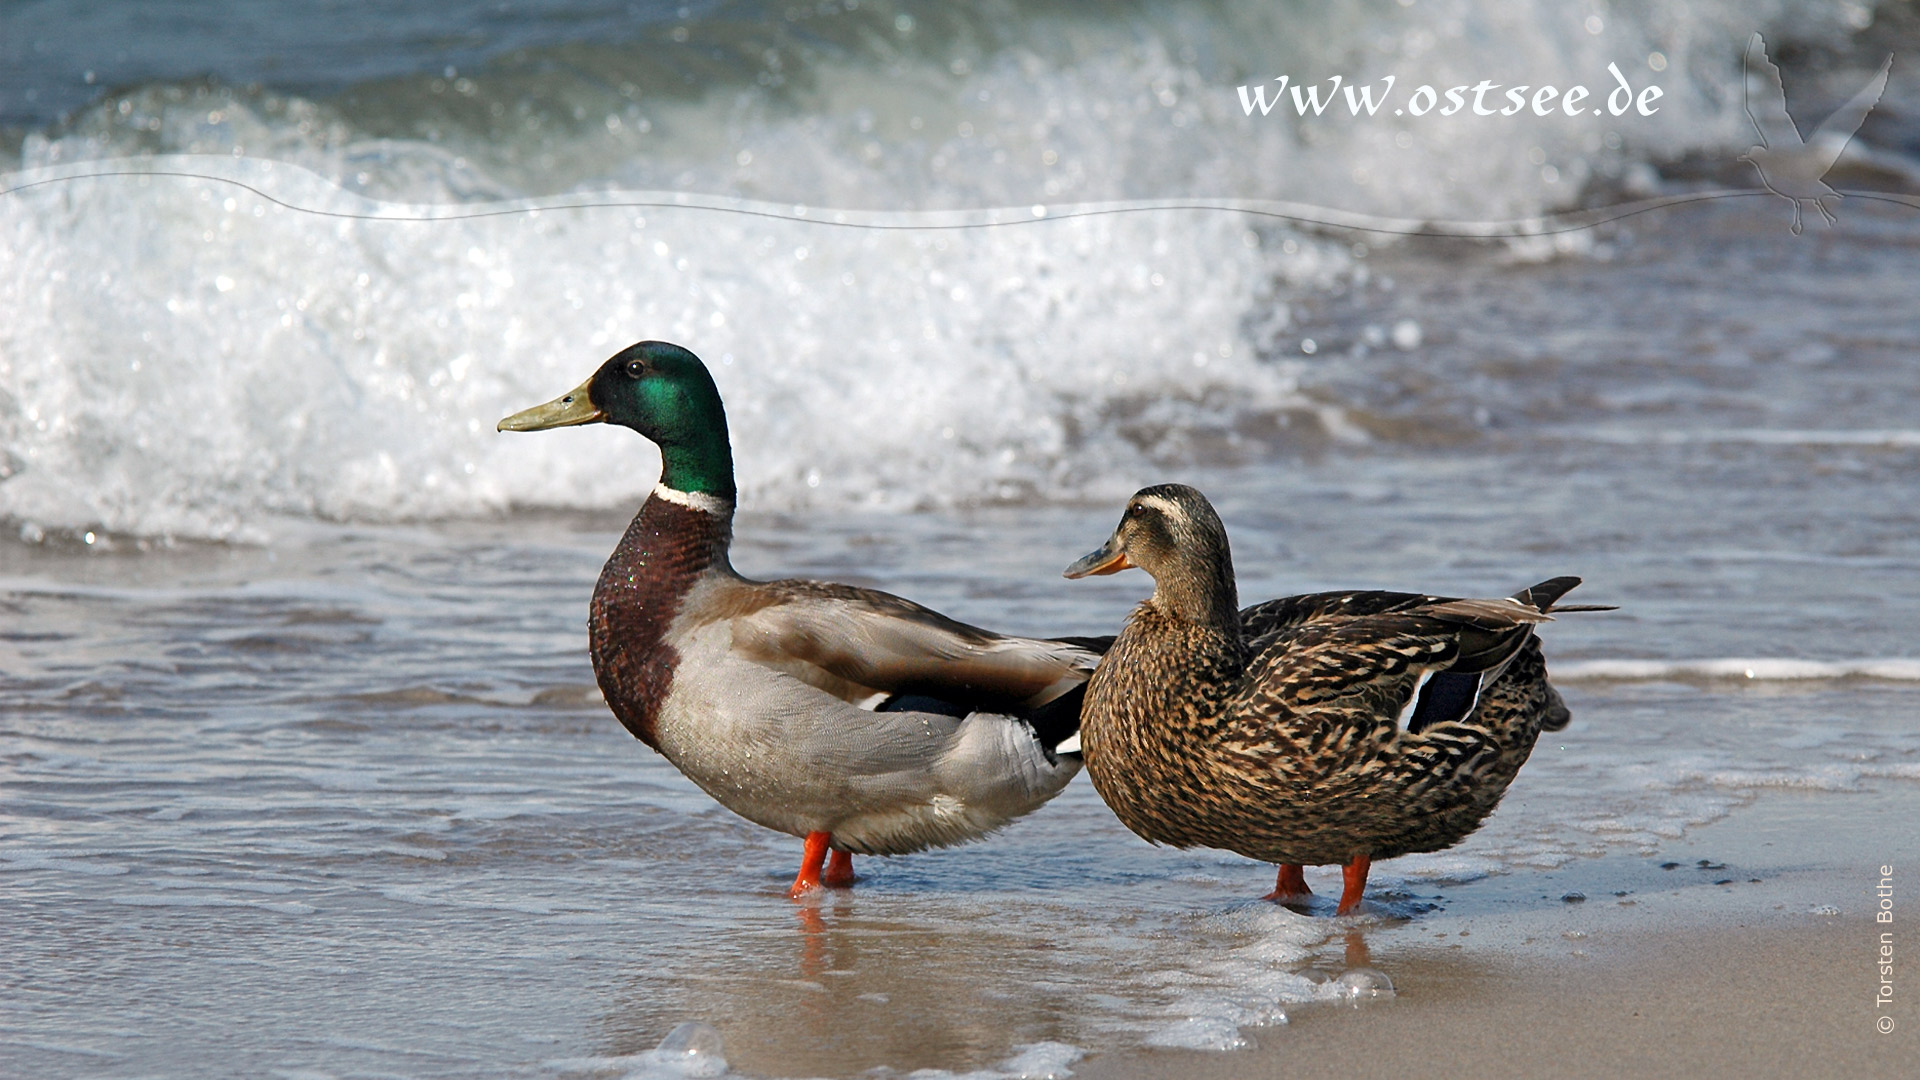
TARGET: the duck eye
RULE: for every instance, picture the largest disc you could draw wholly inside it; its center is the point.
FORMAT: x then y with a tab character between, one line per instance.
1136	510
636	368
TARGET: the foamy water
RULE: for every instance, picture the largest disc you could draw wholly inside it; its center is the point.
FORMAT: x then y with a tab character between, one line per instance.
197	353
305	769
362	379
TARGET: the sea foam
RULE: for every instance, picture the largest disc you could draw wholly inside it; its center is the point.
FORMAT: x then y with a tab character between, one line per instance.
190	357
202	353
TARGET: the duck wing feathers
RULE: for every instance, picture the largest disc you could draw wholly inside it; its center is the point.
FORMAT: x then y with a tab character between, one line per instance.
1262	623
1317	648
1376	646
867	647
1259	623
1382	657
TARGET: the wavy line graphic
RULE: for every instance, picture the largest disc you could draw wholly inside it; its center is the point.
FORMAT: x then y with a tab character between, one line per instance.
992	217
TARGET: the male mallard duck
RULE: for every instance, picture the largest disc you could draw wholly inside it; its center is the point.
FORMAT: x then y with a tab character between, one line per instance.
1275	731
858	720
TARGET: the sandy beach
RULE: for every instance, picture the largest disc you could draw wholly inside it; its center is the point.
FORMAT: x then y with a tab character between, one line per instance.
1774	973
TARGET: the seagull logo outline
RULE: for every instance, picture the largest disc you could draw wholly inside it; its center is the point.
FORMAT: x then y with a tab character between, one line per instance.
1789	166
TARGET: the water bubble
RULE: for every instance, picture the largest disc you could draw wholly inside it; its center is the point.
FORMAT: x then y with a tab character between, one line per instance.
693	1049
1406	335
1364	984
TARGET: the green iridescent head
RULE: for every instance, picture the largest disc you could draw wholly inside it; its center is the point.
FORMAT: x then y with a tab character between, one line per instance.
663	392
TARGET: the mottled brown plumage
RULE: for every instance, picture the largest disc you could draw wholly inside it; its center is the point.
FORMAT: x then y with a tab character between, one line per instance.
1276	732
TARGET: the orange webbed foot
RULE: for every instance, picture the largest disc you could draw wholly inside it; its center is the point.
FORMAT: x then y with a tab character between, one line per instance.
810	864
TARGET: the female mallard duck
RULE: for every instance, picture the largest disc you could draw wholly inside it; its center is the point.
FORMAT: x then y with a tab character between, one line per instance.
1275	731
858	720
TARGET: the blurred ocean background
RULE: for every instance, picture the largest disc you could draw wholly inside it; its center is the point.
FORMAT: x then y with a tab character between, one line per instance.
301	765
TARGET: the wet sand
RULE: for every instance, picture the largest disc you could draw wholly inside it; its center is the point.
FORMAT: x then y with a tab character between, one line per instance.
1786	996
1759	963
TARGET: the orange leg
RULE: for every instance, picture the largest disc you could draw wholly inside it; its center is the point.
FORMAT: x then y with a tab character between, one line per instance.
1291	885
810	864
1356	884
839	873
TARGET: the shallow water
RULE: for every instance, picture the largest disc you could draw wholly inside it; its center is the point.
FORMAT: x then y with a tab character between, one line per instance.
304	770
349	802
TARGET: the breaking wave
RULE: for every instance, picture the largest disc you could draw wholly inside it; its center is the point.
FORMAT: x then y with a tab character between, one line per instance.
189	354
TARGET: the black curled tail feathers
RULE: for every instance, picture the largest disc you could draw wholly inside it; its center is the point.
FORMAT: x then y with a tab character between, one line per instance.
1545	597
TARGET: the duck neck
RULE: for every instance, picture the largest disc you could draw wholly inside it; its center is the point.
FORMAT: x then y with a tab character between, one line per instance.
1165	679
678	539
1200	592
700	461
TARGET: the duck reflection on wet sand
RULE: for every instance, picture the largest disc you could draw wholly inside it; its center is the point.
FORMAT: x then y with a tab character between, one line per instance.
844	985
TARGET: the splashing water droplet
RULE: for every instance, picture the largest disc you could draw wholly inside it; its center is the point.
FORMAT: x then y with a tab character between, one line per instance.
693	1049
